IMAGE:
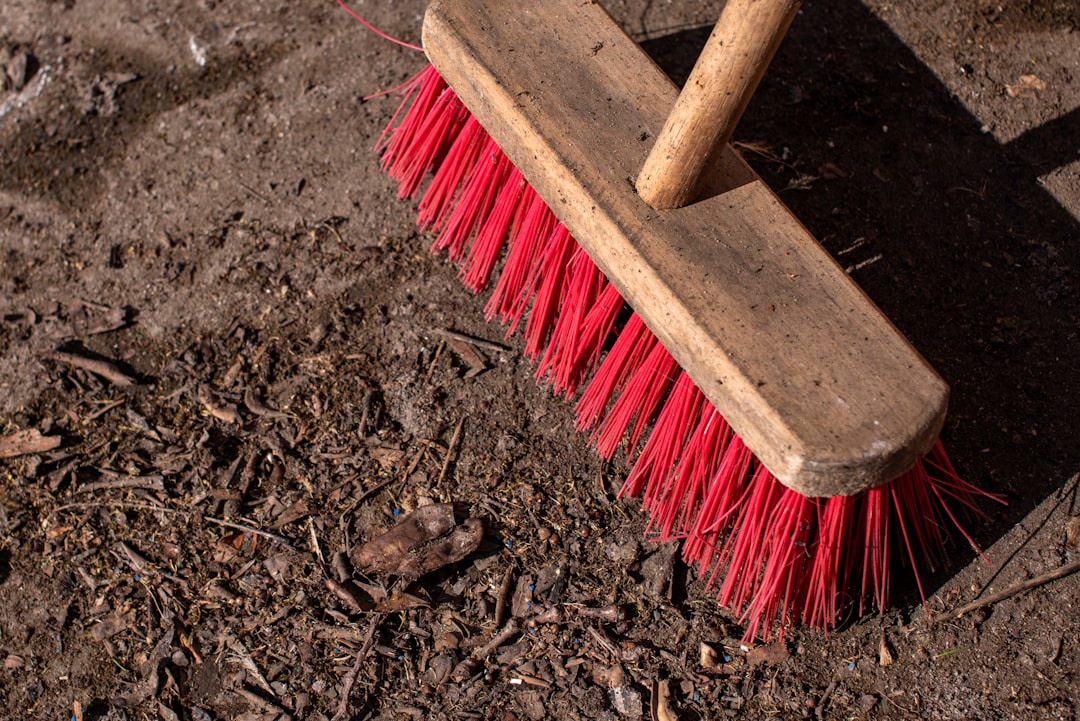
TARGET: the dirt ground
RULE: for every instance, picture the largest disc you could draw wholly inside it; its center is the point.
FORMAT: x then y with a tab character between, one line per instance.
225	346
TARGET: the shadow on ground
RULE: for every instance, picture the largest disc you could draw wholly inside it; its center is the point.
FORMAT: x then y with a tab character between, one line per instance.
946	228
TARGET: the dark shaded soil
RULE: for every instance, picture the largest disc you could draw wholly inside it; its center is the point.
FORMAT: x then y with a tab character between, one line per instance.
187	194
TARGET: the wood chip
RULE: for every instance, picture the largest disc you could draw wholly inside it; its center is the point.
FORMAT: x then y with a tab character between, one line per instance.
427	539
661	702
25	442
1072	533
769	655
885	657
1028	83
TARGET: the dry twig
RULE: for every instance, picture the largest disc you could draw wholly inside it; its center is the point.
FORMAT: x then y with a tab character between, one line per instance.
106	369
350	680
1041	579
450	450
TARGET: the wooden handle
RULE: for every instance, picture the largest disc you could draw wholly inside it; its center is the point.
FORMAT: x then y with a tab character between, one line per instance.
725	76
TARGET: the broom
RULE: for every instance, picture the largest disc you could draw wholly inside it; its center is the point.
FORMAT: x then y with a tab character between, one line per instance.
777	423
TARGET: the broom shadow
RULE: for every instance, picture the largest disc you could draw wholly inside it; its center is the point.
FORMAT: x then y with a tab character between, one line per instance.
945	227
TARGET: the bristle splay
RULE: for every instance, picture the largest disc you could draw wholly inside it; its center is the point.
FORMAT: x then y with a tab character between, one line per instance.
773	555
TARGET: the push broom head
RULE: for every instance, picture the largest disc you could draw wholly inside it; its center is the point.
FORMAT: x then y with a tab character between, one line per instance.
793	428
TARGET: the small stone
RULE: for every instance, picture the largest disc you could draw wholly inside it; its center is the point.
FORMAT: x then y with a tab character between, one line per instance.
867	702
624	552
1072	533
17	70
627	701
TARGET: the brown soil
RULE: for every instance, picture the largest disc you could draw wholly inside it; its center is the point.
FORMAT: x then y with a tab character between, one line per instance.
187	192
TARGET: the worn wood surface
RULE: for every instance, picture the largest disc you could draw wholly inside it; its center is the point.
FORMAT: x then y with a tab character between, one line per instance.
817	382
715	96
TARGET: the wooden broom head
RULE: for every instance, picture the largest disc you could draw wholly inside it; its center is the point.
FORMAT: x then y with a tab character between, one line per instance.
817	382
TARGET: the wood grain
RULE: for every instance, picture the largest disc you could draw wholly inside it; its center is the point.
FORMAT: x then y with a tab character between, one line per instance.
813	377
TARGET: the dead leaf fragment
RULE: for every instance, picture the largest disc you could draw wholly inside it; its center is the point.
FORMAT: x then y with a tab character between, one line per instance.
98	366
708	657
293	513
470	354
388	458
609	677
402	601
254	404
832	171
350	594
111	625
23	443
92	319
427	539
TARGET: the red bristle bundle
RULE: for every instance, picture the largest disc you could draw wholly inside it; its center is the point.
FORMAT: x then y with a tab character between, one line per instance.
532	227
775	555
621	361
418	144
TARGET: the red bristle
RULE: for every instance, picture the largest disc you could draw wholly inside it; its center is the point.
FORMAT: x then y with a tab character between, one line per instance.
782	558
438	201
581	279
659	458
902	505
875	547
375	30
476	272
581	327
597	329
639	400
625	356
925	518
531	230
741	554
406	90
474	203
547	286
724	495
433	121
830	561
776	554
697	467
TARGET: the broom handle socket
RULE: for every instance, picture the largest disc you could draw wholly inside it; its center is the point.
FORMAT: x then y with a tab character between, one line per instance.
726	74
